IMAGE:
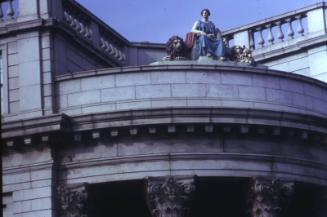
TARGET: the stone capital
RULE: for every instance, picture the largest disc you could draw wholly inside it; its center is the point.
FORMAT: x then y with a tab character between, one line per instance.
269	197
169	196
72	200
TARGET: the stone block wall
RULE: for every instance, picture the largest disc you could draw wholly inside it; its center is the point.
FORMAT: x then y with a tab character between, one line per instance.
27	183
27	72
138	88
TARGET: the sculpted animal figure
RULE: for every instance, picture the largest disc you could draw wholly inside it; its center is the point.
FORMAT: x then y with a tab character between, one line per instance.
242	54
175	48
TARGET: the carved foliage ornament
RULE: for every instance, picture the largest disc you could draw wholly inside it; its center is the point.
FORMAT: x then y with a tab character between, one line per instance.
269	197
169	197
72	200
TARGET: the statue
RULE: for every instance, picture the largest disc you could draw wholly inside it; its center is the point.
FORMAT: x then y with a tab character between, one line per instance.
209	41
206	40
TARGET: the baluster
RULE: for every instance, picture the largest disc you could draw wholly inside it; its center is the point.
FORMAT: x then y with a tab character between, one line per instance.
1	12
76	24
261	41
270	38
251	38
86	31
112	49
66	16
107	48
82	28
280	34
90	33
10	11
300	28
290	31
70	20
102	43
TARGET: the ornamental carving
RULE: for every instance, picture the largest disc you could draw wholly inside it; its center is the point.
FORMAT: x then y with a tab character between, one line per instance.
269	197
242	54
72	200
169	196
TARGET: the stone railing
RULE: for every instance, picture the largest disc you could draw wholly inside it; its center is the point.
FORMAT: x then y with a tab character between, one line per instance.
107	46
80	25
93	30
278	29
8	10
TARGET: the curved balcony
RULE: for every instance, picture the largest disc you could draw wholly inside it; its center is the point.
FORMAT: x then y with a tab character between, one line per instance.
206	120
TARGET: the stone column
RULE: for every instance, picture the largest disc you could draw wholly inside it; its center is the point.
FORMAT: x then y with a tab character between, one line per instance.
269	197
169	196
72	200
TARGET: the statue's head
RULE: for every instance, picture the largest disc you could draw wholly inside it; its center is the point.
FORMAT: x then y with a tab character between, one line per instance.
205	10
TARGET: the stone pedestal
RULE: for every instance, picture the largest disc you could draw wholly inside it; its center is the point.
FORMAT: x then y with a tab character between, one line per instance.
169	196
269	197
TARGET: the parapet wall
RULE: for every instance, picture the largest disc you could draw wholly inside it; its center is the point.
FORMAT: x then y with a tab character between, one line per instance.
223	86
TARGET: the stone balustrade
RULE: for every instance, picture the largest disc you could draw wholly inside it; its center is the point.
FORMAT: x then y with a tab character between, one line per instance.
8	10
80	26
90	28
71	15
283	28
111	49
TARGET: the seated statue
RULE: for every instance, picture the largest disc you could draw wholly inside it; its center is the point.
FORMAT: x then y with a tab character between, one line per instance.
206	40
209	41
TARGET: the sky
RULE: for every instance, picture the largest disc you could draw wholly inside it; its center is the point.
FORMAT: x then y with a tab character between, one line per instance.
156	20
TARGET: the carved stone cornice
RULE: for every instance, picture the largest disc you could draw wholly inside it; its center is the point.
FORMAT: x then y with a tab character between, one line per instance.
169	196
72	200
269	197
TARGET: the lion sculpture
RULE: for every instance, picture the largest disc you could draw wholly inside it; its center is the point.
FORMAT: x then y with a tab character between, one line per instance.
175	48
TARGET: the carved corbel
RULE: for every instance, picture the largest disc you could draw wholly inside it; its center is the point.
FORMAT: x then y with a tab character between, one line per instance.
72	200
169	196
269	197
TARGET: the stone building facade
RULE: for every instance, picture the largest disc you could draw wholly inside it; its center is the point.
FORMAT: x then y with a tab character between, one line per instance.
89	128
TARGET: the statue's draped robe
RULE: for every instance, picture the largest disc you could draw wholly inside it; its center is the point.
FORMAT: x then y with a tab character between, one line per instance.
208	45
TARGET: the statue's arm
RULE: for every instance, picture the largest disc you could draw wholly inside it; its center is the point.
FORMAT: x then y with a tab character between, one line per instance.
195	30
